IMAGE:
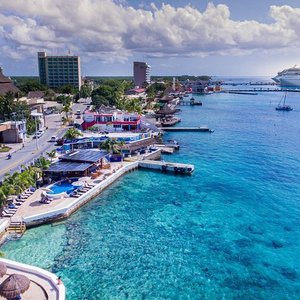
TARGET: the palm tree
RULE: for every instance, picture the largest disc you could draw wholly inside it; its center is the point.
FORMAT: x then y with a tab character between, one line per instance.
51	154
67	109
72	133
112	146
41	164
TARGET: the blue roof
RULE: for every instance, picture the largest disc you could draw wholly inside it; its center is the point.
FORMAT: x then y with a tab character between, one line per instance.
68	167
90	156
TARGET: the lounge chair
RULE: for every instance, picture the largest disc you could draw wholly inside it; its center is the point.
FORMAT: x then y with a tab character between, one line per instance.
22	200
6	215
75	195
10	210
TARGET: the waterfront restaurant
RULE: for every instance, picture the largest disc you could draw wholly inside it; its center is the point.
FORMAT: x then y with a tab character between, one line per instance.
76	164
112	121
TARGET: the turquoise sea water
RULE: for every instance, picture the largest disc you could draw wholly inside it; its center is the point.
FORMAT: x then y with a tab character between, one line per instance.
229	231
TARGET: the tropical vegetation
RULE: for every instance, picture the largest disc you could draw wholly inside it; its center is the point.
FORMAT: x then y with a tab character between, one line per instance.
110	92
72	133
18	182
112	146
51	154
17	110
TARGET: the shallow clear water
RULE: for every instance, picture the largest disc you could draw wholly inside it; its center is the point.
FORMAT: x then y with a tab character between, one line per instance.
229	231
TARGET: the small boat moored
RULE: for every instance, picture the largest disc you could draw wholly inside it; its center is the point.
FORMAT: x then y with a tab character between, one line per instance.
283	107
195	102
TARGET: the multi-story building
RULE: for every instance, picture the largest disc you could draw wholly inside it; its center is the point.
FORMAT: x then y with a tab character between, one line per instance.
141	73
56	71
112	121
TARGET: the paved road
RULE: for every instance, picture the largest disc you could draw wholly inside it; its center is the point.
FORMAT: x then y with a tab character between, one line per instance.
35	148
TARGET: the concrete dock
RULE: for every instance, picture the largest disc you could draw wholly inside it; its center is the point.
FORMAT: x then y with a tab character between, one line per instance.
177	168
200	129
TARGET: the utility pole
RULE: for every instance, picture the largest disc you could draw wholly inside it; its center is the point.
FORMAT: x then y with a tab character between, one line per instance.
16	129
36	137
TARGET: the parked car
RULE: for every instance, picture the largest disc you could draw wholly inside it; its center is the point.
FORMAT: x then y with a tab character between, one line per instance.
53	138
38	134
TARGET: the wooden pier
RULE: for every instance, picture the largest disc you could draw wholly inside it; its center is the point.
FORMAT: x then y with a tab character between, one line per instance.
200	129
163	166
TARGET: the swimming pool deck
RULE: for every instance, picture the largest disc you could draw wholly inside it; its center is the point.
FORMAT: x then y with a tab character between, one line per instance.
32	207
43	285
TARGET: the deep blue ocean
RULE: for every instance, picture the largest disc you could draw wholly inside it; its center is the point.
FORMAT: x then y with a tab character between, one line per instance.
229	231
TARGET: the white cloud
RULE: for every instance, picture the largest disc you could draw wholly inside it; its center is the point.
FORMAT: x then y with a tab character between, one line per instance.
111	30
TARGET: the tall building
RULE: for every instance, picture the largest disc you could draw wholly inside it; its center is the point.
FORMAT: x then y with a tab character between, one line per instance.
141	73
56	71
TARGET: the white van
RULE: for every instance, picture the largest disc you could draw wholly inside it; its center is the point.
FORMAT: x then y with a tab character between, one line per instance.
53	138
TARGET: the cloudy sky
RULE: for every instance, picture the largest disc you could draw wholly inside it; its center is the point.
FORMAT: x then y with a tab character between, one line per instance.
196	37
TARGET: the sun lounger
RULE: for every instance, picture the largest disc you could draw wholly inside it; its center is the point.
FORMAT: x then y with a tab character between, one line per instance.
75	195
22	200
7	212
6	215
10	210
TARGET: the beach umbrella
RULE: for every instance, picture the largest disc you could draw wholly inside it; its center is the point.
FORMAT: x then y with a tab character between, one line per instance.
3	269
14	285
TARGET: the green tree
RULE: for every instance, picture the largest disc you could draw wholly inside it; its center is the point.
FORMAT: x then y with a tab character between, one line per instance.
41	163
112	146
110	92
85	91
67	109
51	154
72	133
68	89
7	106
31	85
64	99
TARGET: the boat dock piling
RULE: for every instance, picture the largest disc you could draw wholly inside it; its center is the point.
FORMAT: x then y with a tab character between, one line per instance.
163	166
200	129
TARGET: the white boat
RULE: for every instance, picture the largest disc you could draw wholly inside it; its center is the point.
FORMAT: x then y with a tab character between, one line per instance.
282	106
288	77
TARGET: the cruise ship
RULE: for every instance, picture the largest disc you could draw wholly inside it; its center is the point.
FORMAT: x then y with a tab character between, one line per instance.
288	77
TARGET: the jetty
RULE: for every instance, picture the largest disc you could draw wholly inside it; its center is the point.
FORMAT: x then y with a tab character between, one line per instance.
164	149
242	93
163	166
254	91
190	102
200	129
